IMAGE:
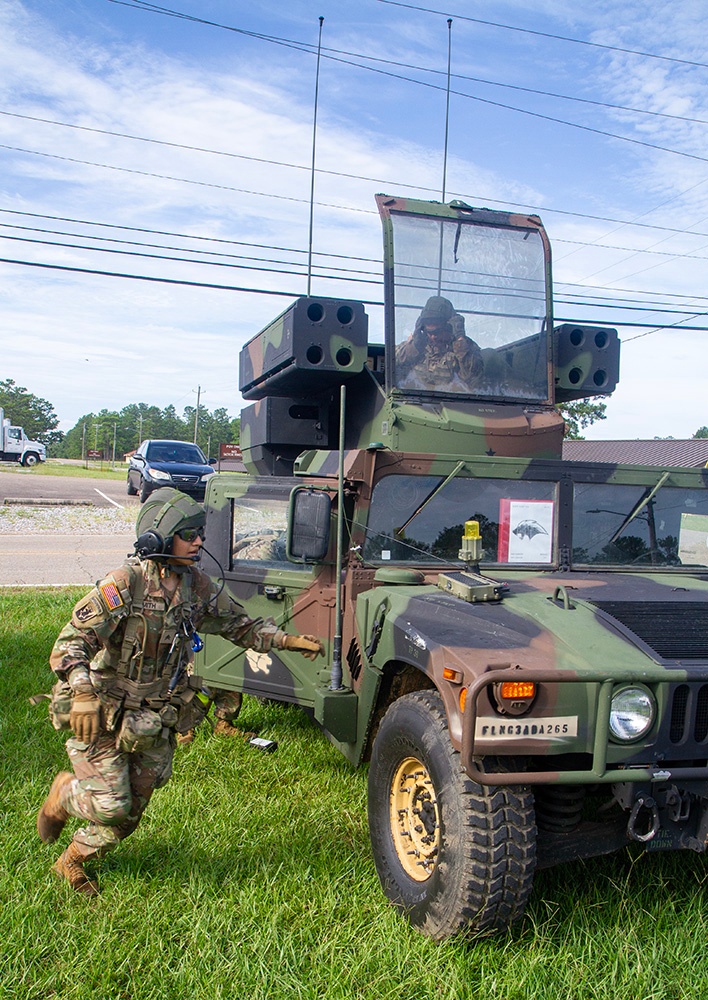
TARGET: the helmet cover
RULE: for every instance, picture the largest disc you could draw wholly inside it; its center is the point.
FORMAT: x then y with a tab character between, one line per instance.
168	511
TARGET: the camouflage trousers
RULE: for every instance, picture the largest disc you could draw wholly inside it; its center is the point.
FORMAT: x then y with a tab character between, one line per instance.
227	704
113	789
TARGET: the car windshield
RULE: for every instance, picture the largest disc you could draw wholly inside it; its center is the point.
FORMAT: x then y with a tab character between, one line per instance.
177	451
410	522
652	525
484	288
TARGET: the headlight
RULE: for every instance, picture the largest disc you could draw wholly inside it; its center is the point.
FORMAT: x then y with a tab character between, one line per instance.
206	476
632	713
159	474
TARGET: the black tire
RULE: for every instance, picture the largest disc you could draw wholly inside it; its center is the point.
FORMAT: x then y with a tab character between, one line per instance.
132	491
30	459
145	490
470	864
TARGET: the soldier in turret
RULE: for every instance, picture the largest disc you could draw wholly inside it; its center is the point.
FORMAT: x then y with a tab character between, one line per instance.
438	354
124	655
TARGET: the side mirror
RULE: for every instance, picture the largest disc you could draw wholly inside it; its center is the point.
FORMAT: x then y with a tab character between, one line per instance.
212	461
308	525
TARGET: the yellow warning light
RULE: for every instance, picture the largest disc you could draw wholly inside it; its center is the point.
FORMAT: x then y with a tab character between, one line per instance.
463	699
517	690
472	529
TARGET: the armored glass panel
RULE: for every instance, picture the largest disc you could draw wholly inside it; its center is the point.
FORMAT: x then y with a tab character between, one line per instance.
622	525
259	533
484	287
410	522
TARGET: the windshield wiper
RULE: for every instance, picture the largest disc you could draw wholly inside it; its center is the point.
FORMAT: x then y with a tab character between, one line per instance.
647	498
398	532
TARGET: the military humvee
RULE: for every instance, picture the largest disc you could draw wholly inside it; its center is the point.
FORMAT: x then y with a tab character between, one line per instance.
517	644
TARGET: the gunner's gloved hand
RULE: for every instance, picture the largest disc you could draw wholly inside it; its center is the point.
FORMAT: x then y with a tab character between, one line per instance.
309	645
85	716
461	346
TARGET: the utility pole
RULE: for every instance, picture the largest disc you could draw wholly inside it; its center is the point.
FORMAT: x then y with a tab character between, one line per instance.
196	412
140	429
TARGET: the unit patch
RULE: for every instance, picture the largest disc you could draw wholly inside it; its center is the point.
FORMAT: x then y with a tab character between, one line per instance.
556	727
87	611
111	595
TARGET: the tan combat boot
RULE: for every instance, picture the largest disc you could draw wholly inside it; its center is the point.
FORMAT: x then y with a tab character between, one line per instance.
225	728
184	739
70	865
52	816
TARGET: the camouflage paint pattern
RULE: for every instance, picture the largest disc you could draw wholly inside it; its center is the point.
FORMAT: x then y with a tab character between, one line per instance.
619	596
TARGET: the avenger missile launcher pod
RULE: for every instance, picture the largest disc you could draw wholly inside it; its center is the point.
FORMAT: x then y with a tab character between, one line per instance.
517	644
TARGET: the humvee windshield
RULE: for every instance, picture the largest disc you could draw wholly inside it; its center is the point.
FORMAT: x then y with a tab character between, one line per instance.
520	522
669	529
487	286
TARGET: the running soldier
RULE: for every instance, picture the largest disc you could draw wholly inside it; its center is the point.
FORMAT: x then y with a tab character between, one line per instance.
124	656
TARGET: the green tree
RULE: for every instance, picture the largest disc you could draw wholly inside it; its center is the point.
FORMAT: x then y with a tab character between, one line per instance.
34	414
580	414
702	432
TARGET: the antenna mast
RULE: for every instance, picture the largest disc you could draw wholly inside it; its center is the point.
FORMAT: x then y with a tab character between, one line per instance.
447	104
312	172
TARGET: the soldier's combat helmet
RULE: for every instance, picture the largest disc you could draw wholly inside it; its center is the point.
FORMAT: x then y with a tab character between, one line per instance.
437	309
163	514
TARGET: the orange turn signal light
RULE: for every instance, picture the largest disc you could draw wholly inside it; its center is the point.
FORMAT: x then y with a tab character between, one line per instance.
452	675
463	699
517	690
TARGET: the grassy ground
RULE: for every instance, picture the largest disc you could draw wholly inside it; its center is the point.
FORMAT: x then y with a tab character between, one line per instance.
251	877
56	467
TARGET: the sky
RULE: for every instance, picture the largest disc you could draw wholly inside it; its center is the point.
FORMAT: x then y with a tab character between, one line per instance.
174	143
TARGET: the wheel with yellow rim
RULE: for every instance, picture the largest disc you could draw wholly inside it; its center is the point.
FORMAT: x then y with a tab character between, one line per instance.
453	855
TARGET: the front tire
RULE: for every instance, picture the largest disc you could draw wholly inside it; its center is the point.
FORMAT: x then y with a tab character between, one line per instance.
145	491
30	459
453	855
131	490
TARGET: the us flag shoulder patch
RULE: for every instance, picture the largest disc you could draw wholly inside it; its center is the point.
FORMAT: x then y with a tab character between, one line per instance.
111	595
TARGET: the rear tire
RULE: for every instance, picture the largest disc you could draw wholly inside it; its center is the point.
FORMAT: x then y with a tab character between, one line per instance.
453	855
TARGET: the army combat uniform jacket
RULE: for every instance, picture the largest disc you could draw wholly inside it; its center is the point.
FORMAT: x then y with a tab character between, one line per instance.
131	639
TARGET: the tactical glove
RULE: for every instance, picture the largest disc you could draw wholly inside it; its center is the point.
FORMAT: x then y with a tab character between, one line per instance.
309	645
85	716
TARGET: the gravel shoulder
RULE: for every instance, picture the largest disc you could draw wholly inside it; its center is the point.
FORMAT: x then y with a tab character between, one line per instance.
27	520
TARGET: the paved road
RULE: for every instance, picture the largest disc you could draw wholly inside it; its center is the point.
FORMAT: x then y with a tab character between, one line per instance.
101	492
60	560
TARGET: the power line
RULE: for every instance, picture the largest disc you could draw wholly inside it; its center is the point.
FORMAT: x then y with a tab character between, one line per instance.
545	34
153	8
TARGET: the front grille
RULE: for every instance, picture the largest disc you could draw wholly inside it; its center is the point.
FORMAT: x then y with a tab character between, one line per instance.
689	714
186	480
675	631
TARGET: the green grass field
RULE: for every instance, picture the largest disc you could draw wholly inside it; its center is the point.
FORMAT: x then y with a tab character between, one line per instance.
55	467
251	877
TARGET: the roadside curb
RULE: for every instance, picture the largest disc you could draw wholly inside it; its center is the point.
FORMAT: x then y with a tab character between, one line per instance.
46	502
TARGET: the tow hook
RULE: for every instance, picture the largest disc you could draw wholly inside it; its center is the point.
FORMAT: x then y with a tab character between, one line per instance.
643	802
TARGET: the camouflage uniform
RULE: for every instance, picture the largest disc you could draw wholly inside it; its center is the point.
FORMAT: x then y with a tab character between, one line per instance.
456	363
128	638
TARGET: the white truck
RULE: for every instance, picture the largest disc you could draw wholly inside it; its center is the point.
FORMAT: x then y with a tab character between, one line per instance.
15	446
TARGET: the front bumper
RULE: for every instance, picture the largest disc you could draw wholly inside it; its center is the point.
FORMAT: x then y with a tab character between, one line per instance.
600	772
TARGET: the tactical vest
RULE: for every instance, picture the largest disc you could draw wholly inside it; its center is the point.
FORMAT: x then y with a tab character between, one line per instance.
165	679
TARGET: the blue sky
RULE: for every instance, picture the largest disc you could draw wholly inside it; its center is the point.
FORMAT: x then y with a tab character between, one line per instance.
595	119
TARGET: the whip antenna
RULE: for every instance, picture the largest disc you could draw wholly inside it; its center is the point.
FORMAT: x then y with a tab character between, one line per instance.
447	134
447	104
314	148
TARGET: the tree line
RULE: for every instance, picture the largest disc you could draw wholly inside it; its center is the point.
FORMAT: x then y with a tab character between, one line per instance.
123	429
